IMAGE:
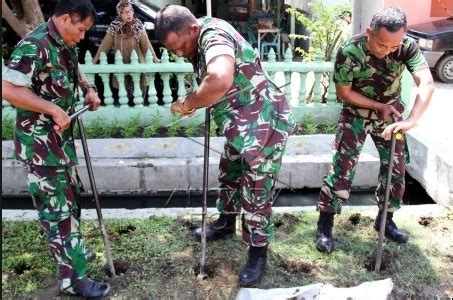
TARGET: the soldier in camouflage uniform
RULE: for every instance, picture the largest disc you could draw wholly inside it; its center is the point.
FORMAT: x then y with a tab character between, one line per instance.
41	81
249	110
368	71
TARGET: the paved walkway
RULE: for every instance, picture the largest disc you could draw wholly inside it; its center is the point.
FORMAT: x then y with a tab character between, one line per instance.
195	213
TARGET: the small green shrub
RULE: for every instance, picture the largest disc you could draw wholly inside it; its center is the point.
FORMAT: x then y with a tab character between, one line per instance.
191	129
131	127
151	130
112	129
174	126
7	128
95	129
326	127
308	125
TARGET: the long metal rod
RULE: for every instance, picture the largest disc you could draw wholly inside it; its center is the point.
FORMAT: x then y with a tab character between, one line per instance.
79	112
94	190
207	136
380	247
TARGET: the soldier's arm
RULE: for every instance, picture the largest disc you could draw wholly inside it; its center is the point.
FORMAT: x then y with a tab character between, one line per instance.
25	98
425	83
217	81
89	90
346	93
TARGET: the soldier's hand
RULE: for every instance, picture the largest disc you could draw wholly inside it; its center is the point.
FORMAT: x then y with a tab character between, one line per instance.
386	111
176	107
61	119
401	126
92	99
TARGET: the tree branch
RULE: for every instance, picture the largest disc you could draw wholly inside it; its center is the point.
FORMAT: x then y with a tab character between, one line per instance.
32	12
20	27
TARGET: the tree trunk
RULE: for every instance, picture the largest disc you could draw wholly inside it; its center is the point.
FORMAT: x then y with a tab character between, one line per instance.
32	16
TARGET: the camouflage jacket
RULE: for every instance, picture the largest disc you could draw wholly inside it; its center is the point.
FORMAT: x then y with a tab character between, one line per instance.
377	79
43	63
254	115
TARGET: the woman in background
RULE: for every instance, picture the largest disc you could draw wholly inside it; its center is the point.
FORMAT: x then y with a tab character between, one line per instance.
127	33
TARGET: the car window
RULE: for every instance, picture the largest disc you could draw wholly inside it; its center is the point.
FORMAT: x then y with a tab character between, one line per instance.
145	8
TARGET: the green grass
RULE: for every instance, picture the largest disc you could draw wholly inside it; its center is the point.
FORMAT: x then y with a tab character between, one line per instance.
163	258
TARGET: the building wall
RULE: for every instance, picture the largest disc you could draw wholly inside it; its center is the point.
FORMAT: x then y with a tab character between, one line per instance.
423	11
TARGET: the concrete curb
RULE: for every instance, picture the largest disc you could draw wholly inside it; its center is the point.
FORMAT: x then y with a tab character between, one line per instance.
167	164
134	166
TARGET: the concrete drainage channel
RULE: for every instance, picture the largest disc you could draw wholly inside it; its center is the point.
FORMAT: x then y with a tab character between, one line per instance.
414	195
138	173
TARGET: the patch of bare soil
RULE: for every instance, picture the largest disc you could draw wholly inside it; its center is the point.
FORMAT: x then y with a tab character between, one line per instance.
221	277
422	292
50	291
426	221
286	223
121	267
181	222
354	219
353	223
297	267
386	260
124	272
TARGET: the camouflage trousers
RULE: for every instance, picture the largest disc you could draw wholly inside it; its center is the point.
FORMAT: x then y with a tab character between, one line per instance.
56	194
242	186
349	141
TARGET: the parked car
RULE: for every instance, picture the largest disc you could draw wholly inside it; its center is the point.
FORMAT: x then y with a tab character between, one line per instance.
436	42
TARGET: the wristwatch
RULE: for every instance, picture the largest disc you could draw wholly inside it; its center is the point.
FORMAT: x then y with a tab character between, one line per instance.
90	86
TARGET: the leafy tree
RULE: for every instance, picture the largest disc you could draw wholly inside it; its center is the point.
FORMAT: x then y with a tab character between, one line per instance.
326	27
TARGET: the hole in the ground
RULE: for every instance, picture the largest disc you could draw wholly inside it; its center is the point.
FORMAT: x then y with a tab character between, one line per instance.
354	219
296	267
370	261
21	267
209	269
425	220
126	230
120	266
286	222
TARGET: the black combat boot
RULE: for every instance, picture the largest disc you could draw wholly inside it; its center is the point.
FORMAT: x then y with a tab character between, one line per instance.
391	230
324	237
255	266
220	228
89	288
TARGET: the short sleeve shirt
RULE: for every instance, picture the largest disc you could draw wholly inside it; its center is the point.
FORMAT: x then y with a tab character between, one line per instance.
254	115
377	79
43	63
